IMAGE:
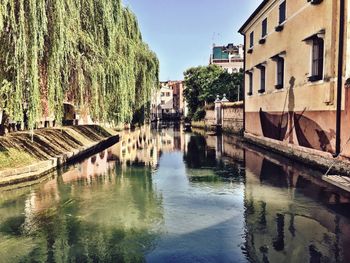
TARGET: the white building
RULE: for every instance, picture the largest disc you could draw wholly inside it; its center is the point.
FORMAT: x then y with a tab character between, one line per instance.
230	57
162	103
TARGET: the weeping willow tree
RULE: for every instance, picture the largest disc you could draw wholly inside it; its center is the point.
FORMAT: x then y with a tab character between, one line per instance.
89	52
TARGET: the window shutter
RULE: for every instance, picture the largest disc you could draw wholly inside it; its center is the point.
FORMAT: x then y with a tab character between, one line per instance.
262	79
264	27
250	83
317	59
252	39
282	12
280	72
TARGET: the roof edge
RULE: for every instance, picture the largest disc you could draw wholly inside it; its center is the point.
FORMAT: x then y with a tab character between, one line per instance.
259	8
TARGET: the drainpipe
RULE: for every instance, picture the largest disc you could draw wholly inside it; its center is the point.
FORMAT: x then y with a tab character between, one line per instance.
340	77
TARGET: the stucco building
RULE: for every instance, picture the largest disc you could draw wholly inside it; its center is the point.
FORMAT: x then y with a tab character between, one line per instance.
229	57
178	98
162	103
168	103
296	54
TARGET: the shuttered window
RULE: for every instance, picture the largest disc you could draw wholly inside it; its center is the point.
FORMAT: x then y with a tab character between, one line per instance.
280	73
250	75
251	39
317	59
264	28
262	79
282	9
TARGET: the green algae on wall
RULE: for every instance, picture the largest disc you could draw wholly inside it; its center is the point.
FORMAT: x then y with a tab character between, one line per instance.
89	52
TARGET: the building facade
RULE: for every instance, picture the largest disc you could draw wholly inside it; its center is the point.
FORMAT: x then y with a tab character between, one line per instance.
178	98
296	54
229	57
168	103
162	103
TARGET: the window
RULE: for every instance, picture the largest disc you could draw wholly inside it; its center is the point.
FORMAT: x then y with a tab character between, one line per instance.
250	75
162	102
162	94
317	59
251	39
264	28
282	12
168	94
280	73
315	2
262	79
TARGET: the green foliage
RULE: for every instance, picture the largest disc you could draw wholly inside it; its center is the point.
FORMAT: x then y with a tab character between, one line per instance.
199	114
89	52
204	83
229	84
198	80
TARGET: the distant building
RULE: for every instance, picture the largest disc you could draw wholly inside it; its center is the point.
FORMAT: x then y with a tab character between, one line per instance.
162	103
297	60
230	57
168	103
178	98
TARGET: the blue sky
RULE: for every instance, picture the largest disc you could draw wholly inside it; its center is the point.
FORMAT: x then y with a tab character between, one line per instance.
182	32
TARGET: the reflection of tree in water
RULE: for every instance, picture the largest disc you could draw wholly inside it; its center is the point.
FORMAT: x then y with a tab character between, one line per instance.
108	220
198	155
232	170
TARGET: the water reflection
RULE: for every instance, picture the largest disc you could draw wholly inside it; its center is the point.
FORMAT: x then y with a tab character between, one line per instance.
161	195
285	220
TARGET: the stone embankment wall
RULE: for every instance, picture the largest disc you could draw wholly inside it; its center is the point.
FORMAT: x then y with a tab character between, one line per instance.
232	116
26	157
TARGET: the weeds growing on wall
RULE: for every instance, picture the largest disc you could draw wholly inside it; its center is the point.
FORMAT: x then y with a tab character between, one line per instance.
89	52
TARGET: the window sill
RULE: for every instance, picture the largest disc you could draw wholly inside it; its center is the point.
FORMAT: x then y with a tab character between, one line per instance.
279	28
262	41
250	50
278	86
315	2
278	91
261	91
315	78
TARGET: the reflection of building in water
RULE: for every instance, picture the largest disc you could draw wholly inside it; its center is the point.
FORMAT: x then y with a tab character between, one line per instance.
96	165
142	146
283	222
145	145
89	198
227	147
84	173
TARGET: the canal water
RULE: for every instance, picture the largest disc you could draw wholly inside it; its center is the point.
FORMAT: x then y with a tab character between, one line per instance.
162	195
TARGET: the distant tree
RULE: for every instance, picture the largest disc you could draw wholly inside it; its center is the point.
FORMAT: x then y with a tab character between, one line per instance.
229	84
198	82
204	83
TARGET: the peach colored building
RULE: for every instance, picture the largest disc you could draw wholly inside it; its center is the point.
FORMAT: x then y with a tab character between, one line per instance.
178	98
296	65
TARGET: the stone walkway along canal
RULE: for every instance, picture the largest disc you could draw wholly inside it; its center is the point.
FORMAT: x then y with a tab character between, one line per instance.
162	195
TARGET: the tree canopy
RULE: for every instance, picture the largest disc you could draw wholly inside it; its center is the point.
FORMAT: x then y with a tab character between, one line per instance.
88	52
204	83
